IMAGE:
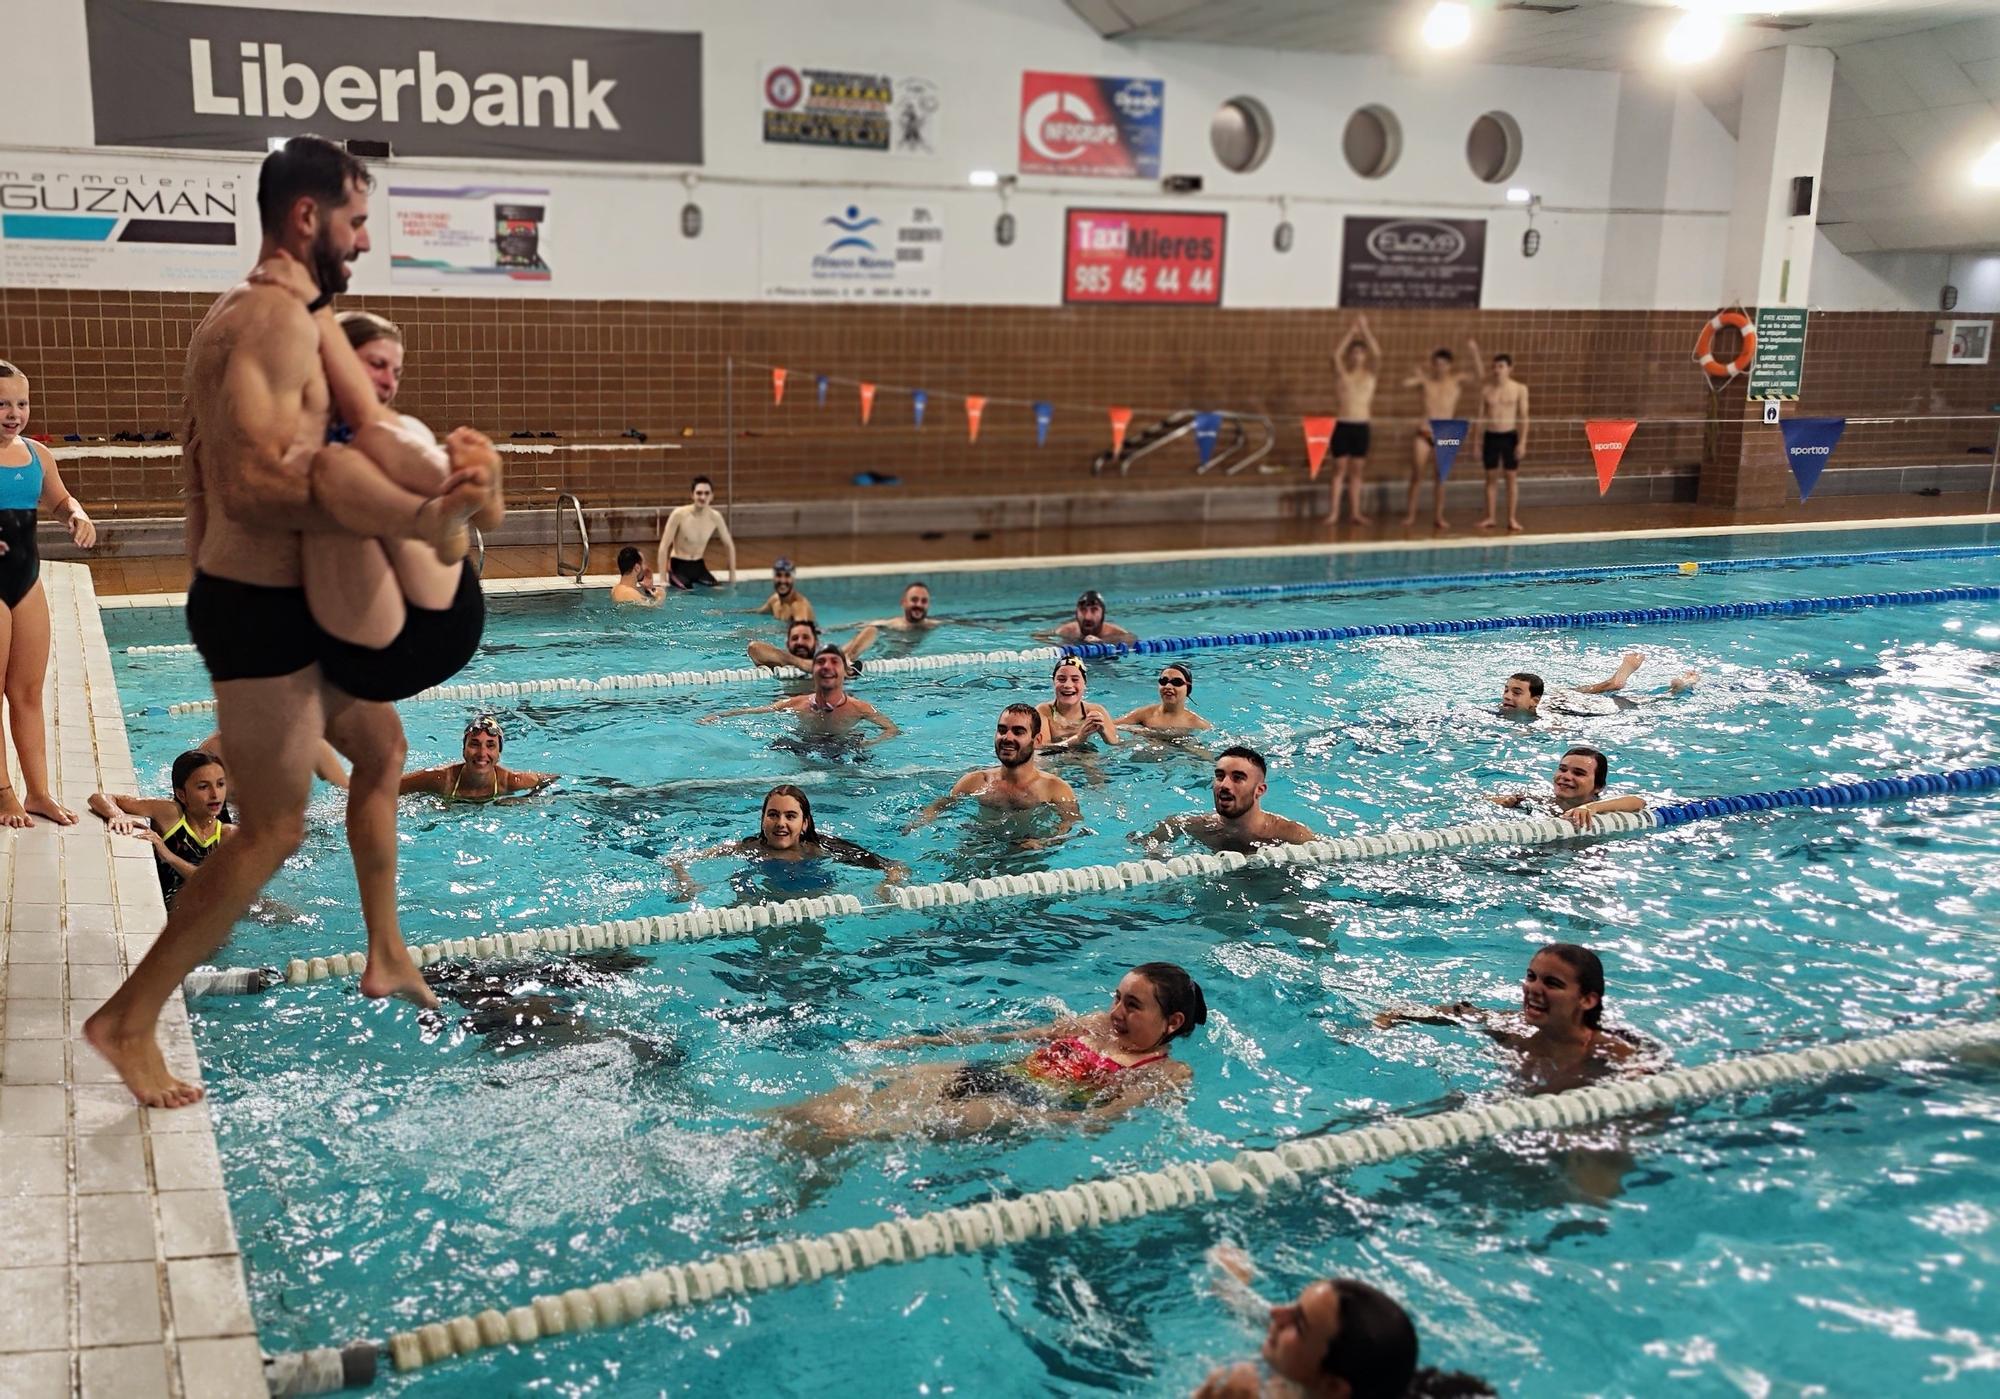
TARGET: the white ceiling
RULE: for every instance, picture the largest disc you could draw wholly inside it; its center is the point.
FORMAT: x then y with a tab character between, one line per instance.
1916	88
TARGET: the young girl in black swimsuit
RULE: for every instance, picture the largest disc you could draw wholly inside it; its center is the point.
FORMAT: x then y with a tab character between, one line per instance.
183	831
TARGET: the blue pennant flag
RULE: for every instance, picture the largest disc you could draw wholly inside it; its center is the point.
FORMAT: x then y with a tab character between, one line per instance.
1044	412
1207	426
918	398
1809	444
1447	436
820	383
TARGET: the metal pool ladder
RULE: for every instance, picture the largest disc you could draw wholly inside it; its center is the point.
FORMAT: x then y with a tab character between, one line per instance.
568	507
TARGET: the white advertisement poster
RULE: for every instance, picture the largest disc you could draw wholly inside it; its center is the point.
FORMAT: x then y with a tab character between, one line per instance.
805	105
826	246
471	238
134	225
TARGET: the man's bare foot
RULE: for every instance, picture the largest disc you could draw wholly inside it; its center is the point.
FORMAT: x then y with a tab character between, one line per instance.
1410	520
11	812
1440	522
1361	519
44	804
1686	680
469	447
139	1062
399	976
1516	527
1486	523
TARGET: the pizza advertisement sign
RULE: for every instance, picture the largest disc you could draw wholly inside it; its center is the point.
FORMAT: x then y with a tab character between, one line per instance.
1135	257
1075	124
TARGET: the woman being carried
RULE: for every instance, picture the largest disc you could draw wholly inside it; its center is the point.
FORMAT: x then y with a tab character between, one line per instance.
183	831
1084	1068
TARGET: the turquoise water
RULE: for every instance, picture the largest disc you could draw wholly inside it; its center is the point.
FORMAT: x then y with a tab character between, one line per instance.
384	1174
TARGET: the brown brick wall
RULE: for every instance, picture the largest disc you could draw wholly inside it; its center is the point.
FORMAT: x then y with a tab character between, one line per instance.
104	362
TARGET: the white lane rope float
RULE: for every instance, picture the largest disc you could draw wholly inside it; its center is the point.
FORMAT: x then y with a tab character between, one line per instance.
1001	1222
182	648
696	923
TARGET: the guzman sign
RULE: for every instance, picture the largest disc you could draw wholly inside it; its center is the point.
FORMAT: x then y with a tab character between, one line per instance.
213	77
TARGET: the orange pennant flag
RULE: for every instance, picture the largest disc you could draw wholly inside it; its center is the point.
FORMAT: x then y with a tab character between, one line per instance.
1607	447
1121	418
867	401
777	386
1319	432
975	404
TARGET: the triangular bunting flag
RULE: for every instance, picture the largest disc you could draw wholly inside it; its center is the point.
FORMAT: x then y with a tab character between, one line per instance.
1044	414
820	383
1447	436
1207	427
1607	438
975	404
918	400
777	386
867	401
1809	444
1319	432
1121	418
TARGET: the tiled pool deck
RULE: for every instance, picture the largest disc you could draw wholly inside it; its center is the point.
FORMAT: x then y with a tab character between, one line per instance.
119	1270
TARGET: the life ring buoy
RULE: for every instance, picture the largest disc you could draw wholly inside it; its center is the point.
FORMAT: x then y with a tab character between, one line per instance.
1705	342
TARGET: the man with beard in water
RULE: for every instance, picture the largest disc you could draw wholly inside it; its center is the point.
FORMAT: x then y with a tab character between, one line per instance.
1089	624
828	709
916	616
802	641
1240	821
1017	784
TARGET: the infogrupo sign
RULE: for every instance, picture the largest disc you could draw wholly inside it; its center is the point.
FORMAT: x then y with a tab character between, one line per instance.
213	77
1412	262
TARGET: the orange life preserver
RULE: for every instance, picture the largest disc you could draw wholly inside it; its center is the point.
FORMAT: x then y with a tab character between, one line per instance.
1703	344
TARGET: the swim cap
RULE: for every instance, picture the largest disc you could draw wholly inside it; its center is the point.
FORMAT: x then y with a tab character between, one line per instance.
1081	668
829	649
782	566
1090	597
486	724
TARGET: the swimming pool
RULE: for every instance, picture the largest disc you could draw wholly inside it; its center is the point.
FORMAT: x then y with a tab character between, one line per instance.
382	1174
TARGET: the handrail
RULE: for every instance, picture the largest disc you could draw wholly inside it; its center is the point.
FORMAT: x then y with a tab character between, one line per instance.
1238	439
1270	441
1126	457
478	551
575	507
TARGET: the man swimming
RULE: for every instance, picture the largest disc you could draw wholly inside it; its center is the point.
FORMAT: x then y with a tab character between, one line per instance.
802	642
1441	382
786	602
1521	696
1017	784
1239	821
479	777
1575	792
635	586
827	708
1503	440
1173	712
686	538
916	615
1354	371
1089	624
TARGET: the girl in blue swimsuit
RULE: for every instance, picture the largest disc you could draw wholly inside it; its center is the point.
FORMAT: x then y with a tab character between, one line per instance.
28	481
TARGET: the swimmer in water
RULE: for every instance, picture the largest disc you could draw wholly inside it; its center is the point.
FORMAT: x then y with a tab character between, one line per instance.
802	642
635	586
1173	712
1521	696
1084	1068
1089	624
828	709
182	831
1559	1033
787	833
1017	784
1575	793
1239	821
786	603
479	778
1338	1339
1069	720
916	614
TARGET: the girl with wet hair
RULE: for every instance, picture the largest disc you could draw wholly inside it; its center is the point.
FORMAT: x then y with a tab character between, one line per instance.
182	831
787	834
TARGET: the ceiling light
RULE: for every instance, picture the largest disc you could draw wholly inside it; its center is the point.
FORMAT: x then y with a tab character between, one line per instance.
1986	169
1518	195
1695	37
1448	25
984	179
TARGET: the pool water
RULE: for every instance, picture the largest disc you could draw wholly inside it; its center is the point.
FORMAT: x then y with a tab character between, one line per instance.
385	1173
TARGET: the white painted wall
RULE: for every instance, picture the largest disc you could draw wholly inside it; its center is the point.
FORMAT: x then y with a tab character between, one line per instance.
1904	281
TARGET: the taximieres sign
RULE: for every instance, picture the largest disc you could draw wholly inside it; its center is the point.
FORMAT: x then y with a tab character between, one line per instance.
211	77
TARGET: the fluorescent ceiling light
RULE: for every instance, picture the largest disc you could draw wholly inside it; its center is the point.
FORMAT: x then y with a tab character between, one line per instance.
1448	25
984	179
1986	169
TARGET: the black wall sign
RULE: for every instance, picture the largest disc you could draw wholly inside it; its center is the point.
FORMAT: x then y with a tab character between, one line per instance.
1412	262
210	77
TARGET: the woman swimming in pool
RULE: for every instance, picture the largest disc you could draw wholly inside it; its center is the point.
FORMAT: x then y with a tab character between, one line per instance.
1069	720
1564	1044
479	778
1086	1067
788	835
183	831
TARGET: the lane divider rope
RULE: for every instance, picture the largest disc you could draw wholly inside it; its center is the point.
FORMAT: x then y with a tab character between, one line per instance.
185	648
1000	1222
1541	621
746	918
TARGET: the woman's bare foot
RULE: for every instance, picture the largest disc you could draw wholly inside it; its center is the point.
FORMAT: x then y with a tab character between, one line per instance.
1516	527
137	1057
11	812
397	974
441	520
1486	523
469	447
44	804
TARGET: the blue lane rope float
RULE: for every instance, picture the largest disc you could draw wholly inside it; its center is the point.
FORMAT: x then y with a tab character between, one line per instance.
1540	621
741	919
1582	573
1094	650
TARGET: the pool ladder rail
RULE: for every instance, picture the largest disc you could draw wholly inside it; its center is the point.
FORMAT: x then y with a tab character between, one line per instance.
1237	427
568	507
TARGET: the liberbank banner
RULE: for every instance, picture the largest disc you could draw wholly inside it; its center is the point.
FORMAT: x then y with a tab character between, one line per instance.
211	77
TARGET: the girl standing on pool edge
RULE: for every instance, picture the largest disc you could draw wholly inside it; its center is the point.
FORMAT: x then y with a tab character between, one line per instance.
28	481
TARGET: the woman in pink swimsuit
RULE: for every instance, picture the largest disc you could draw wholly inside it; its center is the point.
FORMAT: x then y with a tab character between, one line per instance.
1100	1065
